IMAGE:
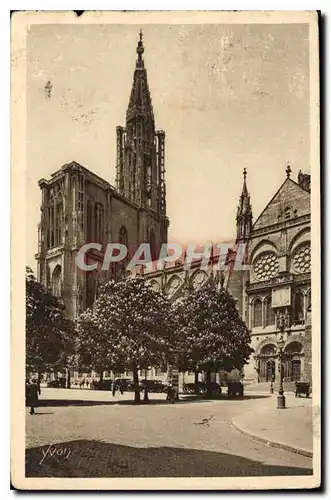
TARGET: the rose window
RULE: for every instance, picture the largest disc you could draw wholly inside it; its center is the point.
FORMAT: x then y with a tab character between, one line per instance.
301	259
266	266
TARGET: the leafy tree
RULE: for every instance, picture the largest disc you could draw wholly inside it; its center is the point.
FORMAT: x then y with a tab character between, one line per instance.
92	344
211	336
49	333
129	327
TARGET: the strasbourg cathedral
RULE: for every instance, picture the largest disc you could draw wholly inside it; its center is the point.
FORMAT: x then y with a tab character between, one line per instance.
80	207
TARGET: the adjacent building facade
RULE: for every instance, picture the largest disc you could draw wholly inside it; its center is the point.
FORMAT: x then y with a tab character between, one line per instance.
79	207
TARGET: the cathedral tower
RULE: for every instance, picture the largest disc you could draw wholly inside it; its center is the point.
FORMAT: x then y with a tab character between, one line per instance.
140	157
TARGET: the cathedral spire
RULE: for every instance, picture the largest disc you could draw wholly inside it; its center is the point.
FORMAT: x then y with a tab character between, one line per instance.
244	213
141	149
140	50
140	102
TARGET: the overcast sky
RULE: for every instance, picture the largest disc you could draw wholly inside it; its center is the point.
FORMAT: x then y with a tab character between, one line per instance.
227	96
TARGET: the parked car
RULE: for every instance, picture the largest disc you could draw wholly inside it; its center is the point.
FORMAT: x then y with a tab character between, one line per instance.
152	386
235	389
203	388
61	382
124	383
302	388
103	385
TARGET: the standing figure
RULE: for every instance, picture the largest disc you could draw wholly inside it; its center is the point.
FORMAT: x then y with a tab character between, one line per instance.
32	393
171	393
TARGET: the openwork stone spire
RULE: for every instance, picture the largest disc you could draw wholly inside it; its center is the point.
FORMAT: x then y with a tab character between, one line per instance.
244	213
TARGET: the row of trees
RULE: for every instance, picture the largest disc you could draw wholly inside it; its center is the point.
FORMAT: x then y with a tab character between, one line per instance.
132	327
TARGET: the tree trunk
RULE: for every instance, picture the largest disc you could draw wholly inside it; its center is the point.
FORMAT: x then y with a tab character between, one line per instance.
68	379
196	377
39	379
136	386
207	380
101	376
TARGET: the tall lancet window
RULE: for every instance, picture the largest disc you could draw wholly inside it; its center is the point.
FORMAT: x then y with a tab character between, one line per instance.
257	313
99	222
58	220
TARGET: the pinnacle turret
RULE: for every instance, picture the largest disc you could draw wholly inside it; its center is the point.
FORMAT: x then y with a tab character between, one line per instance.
244	213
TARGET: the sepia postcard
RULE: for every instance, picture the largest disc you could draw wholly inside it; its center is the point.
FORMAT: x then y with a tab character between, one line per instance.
165	250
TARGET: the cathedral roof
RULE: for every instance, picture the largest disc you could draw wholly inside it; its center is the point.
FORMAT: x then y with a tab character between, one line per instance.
291	201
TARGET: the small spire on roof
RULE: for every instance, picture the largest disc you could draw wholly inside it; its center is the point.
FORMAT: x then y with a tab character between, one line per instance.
288	171
140	46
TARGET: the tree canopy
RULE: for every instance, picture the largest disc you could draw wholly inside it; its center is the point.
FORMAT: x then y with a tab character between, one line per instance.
211	336
128	328
49	333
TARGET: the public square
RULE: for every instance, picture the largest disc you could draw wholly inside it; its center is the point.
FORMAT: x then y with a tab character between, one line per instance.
84	433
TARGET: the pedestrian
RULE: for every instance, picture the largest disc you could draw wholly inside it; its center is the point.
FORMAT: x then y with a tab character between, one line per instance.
171	393
33	392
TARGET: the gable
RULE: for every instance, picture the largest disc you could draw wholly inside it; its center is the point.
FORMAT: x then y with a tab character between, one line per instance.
290	201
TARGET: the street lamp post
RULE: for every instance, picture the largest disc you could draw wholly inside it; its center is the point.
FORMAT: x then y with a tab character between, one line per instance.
281	343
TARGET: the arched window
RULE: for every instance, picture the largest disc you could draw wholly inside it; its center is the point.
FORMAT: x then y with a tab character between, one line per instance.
90	289
123	240
298	308
152	242
123	236
56	282
51	239
89	221
269	315
58	221
99	223
257	313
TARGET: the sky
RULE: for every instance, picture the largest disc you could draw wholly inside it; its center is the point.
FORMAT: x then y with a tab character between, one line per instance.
229	97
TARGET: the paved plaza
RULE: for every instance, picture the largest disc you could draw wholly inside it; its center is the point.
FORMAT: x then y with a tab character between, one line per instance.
82	433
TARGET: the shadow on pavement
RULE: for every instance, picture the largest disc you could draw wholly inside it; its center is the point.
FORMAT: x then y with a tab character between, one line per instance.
44	403
84	458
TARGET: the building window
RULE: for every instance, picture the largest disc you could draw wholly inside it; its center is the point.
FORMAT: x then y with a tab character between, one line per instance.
80	207
308	300
301	259
152	242
124	240
298	308
269	314
287	213
99	222
89	221
56	282
58	222
257	313
266	266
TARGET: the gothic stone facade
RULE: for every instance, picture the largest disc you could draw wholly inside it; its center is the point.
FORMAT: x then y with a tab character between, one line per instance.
276	282
79	207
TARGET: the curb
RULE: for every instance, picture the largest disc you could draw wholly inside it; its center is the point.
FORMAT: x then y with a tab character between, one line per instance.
273	444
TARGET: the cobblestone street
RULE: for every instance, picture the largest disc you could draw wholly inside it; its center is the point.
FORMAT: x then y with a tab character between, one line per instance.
91	434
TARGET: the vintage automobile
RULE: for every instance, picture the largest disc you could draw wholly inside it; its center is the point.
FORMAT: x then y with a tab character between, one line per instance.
235	389
302	388
202	388
58	383
153	386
